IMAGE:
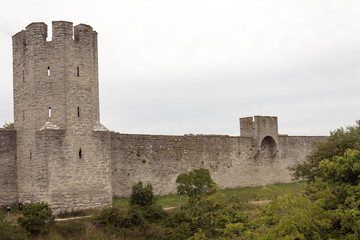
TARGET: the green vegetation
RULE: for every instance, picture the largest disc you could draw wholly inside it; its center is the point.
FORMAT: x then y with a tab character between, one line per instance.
196	184
8	125
70	229
10	231
142	196
37	218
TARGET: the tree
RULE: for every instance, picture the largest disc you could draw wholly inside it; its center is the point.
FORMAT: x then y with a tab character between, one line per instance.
37	218
142	196
338	188
9	125
195	184
339	141
291	217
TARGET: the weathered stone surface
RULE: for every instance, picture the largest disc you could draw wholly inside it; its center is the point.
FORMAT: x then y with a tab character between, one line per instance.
232	161
8	170
56	91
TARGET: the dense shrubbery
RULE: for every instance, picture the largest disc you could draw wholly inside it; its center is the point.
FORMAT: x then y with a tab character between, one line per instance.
142	196
139	220
196	184
37	218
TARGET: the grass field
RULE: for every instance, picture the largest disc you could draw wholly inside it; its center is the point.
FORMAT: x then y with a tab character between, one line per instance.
243	194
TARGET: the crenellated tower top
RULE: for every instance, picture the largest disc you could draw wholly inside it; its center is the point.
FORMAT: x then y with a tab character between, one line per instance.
56	82
36	33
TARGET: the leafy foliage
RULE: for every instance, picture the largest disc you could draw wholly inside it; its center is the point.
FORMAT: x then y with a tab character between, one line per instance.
214	215
195	184
290	217
9	125
327	209
120	218
37	218
339	141
142	196
134	222
139	219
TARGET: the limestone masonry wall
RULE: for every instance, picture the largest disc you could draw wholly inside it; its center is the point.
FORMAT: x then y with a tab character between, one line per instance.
231	161
8	170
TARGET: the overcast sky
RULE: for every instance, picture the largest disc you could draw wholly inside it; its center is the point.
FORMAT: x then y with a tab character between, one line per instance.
178	67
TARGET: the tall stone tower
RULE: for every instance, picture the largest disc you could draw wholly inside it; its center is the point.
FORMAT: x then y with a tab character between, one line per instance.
63	152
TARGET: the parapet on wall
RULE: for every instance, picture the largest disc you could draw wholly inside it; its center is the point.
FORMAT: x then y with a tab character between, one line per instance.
8	170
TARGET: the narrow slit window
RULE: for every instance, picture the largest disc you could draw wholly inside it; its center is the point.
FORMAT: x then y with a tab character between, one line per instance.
30	154
78	111
77	71
80	153
23	75
49	112
48	71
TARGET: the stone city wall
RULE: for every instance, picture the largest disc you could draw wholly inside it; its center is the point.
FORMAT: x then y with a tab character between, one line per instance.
8	170
70	181
232	161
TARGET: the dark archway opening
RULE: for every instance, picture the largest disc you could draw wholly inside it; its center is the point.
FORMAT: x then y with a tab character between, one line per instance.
268	147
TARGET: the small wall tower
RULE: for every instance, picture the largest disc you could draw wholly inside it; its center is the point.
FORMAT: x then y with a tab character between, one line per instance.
56	113
264	132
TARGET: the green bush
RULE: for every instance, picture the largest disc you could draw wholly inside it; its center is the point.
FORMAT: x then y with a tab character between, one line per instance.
37	218
11	232
152	213
142	196
178	226
8	125
119	218
195	184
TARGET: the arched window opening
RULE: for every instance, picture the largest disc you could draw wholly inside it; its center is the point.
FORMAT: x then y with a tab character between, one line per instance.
80	153
48	71
268	147
77	71
78	111
49	112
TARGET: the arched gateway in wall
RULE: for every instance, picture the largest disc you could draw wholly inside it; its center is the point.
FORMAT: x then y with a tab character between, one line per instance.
268	148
